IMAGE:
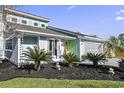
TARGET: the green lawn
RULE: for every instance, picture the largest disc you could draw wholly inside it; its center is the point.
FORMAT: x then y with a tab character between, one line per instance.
53	83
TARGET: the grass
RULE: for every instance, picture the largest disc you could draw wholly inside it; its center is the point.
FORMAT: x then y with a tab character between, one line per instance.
54	83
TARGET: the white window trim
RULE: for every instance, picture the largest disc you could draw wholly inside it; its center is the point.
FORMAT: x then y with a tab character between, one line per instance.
25	20
35	22
14	17
43	24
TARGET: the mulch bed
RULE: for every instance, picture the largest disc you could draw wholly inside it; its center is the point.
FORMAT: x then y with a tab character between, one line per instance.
81	72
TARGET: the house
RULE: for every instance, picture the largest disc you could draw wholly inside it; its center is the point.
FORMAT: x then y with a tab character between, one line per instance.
24	30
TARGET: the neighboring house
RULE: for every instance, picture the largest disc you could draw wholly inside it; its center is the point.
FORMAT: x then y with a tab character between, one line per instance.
26	30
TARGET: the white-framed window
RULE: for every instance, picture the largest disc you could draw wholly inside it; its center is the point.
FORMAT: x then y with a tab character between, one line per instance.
30	40
13	19
35	23
43	25
23	21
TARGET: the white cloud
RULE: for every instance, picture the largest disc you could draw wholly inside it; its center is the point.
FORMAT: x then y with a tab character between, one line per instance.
122	10
71	7
119	18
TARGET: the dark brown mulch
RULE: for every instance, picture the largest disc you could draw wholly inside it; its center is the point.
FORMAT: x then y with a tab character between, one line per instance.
81	72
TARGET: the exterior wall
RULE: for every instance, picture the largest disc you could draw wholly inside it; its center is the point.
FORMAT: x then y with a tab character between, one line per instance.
90	46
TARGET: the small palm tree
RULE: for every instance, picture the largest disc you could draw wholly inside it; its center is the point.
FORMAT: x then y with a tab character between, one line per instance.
95	58
37	55
70	58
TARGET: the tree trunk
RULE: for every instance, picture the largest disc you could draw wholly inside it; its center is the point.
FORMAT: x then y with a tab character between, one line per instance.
35	66
95	64
70	64
38	66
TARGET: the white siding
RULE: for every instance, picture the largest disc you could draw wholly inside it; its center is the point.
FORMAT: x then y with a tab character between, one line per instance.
43	43
89	46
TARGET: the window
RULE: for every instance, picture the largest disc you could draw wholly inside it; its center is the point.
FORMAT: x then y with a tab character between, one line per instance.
42	25
35	24
24	21
14	19
9	44
30	40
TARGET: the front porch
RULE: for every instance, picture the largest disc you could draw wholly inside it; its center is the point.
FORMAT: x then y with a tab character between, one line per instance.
55	45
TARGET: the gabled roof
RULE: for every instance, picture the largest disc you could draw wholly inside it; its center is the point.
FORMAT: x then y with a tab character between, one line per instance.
27	15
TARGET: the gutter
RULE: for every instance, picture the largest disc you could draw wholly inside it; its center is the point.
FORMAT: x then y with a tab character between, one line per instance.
46	34
92	39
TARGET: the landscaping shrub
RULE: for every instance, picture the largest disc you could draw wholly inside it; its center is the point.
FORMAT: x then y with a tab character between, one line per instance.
70	58
95	58
37	55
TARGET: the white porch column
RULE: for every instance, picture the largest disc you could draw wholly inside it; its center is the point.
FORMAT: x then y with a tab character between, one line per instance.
59	48
19	47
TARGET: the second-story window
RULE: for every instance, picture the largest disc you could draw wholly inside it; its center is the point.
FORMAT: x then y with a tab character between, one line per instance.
24	21
35	24
42	25
14	19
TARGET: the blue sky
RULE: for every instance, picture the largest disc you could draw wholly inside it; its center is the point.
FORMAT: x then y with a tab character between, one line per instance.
103	21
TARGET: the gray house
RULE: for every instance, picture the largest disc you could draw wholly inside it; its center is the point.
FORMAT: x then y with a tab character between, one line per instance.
24	30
